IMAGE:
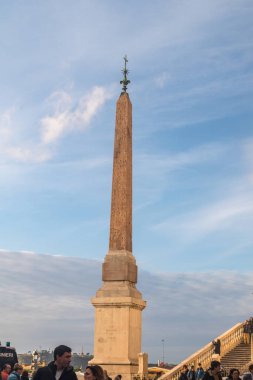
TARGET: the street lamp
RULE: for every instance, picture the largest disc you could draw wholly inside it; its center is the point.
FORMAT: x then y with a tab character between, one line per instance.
163	349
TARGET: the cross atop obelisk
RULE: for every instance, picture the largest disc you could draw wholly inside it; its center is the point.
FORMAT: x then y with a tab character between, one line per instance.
125	81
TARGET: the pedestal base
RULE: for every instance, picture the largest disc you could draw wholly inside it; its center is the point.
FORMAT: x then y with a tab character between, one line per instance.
118	325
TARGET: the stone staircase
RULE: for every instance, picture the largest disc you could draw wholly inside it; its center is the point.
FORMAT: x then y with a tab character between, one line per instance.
234	354
238	357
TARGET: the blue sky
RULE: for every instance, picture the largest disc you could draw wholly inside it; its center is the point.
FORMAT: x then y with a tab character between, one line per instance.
191	88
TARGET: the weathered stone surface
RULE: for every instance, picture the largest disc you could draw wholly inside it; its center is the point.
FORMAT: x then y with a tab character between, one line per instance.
118	334
119	266
121	201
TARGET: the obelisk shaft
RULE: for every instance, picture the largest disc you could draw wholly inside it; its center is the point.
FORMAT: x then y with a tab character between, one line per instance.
119	264
121	200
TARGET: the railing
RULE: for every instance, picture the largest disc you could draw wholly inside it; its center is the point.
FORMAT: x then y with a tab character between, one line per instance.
229	340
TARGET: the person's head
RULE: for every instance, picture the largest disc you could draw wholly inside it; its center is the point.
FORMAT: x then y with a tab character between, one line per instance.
251	368
184	368
25	374
94	372
18	368
7	368
192	367
62	356
234	374
215	366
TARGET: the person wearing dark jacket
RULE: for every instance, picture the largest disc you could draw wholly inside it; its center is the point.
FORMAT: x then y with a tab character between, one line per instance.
249	376
25	375
59	369
191	374
184	372
200	372
214	371
216	344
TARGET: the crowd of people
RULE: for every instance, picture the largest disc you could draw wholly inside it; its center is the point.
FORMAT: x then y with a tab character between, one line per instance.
15	373
58	369
215	372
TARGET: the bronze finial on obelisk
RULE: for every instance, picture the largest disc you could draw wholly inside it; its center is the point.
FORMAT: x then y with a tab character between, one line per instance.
118	303
125	81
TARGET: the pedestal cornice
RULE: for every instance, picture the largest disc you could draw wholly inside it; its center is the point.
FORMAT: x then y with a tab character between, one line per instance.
119	302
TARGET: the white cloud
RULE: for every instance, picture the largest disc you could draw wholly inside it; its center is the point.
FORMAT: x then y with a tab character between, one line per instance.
29	154
159	164
67	118
220	215
248	156
5	124
16	147
47	300
162	79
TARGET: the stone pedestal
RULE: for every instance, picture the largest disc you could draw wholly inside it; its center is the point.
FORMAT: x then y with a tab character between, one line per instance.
118	329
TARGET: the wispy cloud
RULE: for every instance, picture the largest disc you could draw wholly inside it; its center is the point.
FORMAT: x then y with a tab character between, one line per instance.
23	150
162	79
207	202
217	216
197	155
5	124
248	157
66	118
28	154
160	167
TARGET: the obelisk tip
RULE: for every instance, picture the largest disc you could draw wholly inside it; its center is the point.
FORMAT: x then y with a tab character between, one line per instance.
125	81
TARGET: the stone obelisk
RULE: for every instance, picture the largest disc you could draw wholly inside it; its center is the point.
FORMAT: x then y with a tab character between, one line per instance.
118	304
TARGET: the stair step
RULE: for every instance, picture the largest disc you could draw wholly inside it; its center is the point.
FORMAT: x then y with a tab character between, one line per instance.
239	357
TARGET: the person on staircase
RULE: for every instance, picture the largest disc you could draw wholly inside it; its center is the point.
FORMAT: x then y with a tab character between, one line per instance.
191	375
217	350
213	373
200	372
250	329
184	372
246	332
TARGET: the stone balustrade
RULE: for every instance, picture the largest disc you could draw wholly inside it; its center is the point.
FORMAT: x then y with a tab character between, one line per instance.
229	340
